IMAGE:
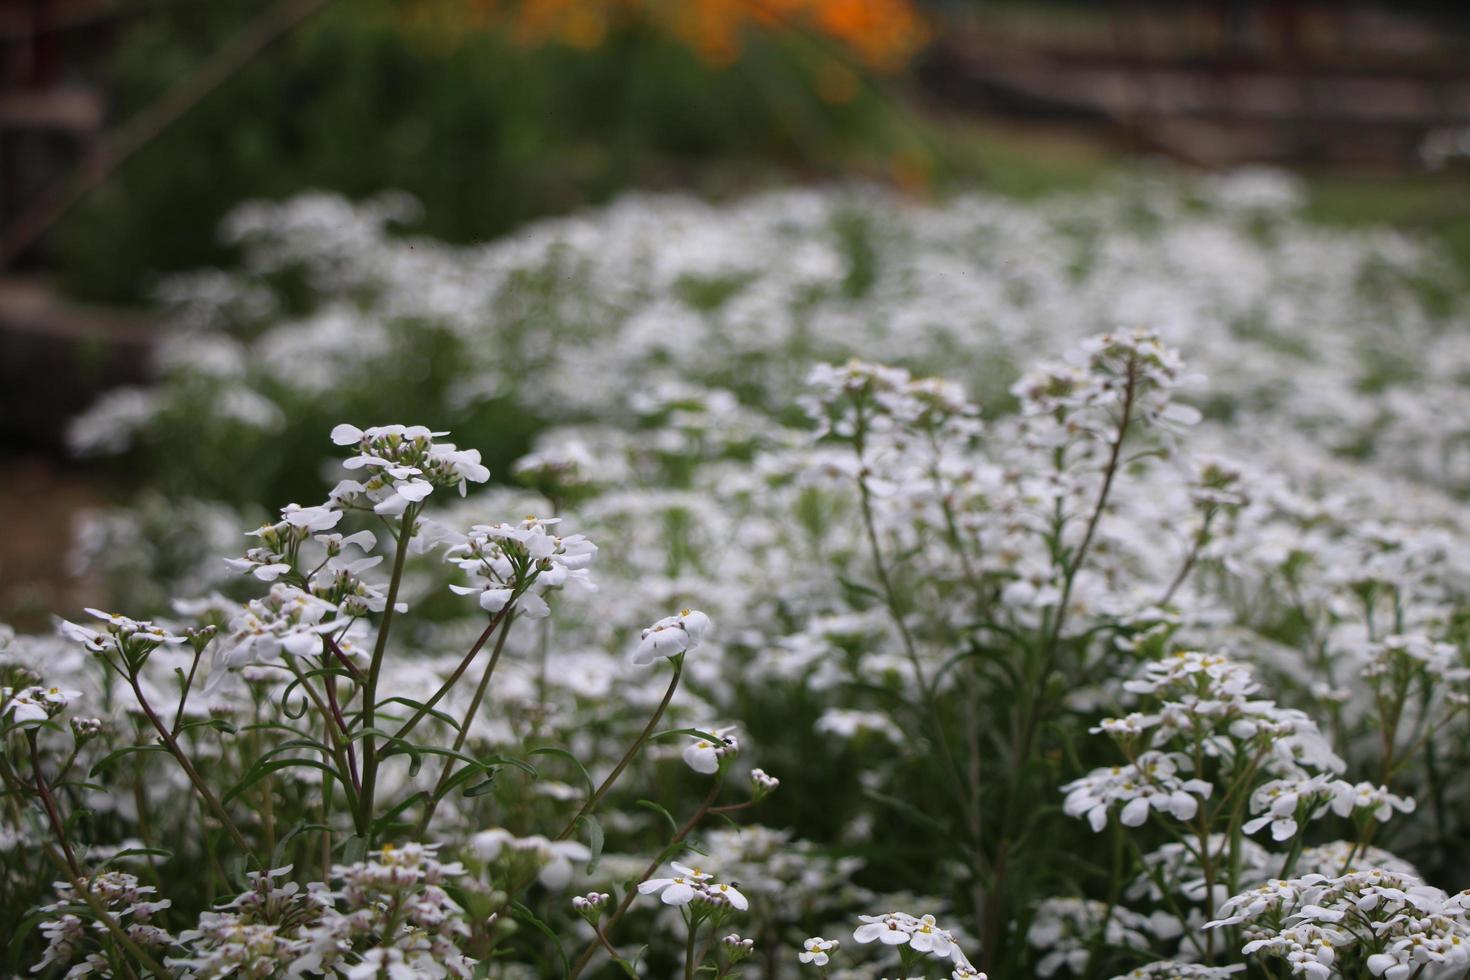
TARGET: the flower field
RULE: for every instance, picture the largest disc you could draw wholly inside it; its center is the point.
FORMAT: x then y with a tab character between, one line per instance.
821	584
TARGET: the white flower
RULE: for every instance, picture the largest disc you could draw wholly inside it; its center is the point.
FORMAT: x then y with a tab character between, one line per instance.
36	704
286	620
671	636
133	634
522	562
556	858
1151	784
1366	797
723	894
815	950
849	723
892	929
704	756
1281	801
405	464
681	889
929	938
311	519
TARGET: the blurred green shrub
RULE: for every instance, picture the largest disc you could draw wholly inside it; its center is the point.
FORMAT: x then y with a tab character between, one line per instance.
484	127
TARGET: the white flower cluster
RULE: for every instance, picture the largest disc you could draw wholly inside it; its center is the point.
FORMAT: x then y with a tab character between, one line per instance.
131	638
694	885
924	611
73	934
279	542
1153	782
34	704
287	620
1129	372
1204	701
1175	970
397	901
520	563
404	464
1392	924
552	862
389	916
261	932
1065	930
922	934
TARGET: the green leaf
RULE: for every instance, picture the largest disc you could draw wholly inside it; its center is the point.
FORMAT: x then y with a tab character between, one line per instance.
291	835
480	789
906	808
275	726
464	774
650	805
218	724
563	753
419	706
112	757
695	732
381	823
399	747
139	851
353	849
18	936
362	733
860	588
594	841
264	768
529	917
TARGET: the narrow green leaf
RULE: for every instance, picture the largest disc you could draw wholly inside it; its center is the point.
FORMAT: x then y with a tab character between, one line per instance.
650	805
594	841
218	724
419	706
529	917
262	769
113	756
138	852
564	754
480	789
695	732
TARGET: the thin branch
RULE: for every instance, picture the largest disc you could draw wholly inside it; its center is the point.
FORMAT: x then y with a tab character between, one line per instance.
638	743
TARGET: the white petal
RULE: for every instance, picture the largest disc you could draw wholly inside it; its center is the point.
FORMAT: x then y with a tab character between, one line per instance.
346	435
1135	812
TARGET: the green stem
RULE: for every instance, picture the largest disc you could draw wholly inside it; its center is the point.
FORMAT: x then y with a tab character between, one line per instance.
638	743
693	931
205	793
896	613
58	826
375	669
464	729
464	664
184	694
631	893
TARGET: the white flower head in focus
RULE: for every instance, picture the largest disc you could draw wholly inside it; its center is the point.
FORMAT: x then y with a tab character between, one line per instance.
816	949
705	755
35	704
671	636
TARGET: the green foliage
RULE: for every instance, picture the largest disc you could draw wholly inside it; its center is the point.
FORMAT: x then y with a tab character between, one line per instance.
488	134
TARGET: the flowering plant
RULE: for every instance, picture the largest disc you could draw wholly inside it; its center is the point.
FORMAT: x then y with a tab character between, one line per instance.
1095	681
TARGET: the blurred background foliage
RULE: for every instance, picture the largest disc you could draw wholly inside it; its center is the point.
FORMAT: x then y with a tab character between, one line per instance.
495	113
492	113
